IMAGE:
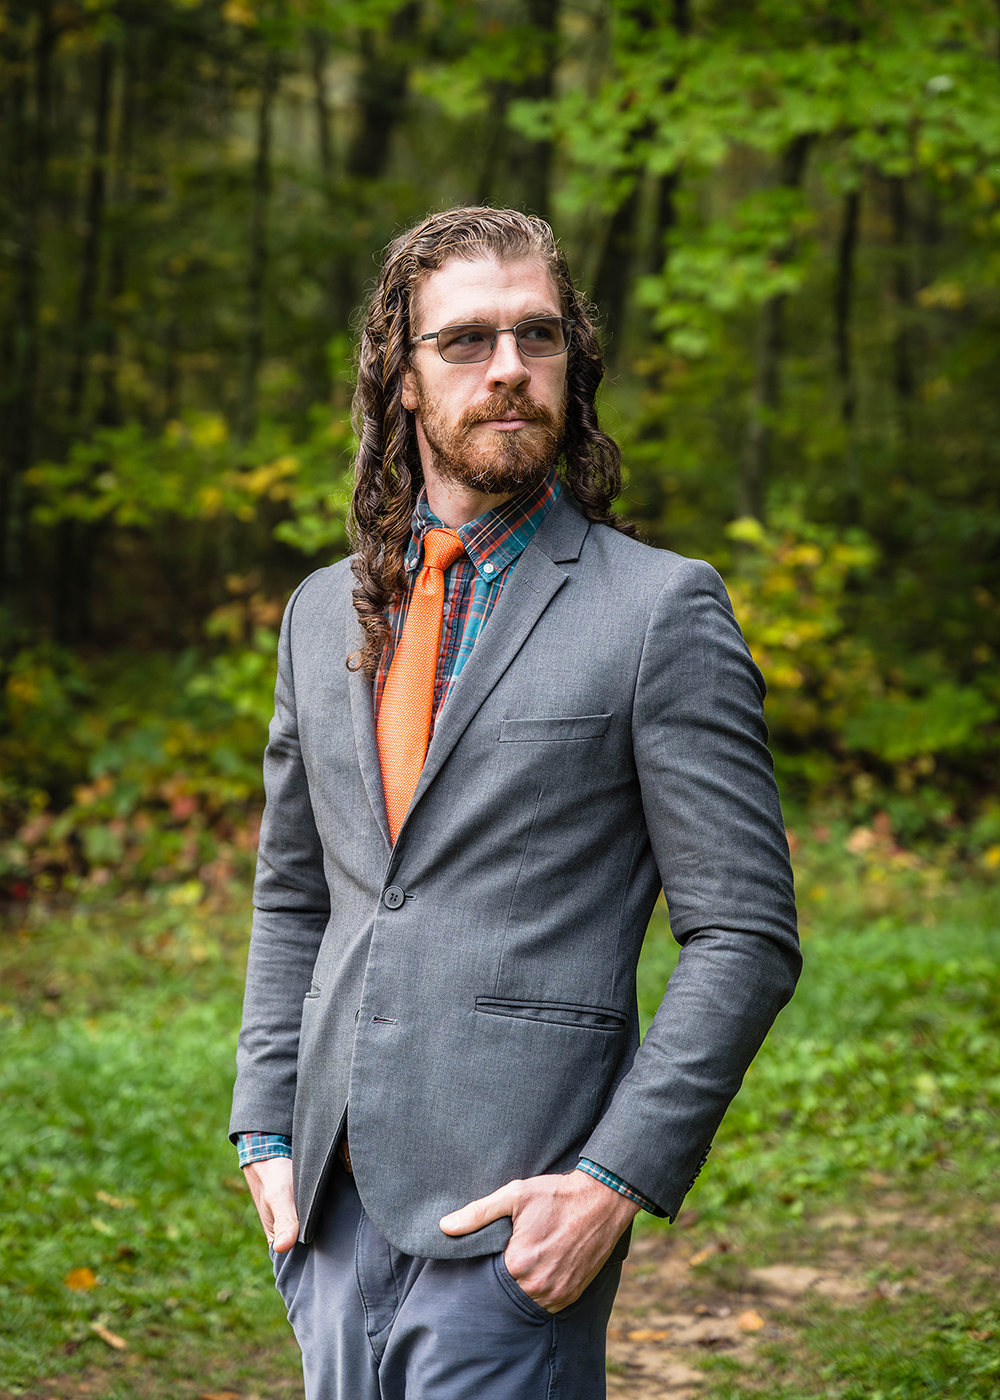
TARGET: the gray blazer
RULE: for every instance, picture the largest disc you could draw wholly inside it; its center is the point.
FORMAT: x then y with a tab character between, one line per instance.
465	1000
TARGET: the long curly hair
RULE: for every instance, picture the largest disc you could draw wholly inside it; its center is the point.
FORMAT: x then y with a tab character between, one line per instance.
388	475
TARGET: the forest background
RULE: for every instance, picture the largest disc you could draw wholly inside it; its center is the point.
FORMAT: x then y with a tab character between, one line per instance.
788	215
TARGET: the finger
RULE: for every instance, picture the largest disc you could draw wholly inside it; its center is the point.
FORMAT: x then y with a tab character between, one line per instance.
286	1232
483	1212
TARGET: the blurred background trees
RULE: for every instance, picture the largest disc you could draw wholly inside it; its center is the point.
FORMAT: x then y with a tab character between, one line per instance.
788	212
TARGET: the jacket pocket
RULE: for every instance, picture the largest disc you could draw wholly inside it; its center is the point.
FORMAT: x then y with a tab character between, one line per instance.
557	1013
539	731
314	991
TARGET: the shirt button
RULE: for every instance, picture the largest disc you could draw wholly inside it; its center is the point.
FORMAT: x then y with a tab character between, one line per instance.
487	568
393	897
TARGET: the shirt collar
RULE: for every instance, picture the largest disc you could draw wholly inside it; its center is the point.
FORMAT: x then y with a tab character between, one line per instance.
494	539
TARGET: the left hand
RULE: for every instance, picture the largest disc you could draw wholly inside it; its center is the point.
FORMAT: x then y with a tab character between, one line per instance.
565	1227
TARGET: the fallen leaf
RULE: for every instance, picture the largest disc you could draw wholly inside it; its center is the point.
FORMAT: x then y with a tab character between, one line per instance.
235	1183
112	1338
80	1280
219	1395
101	1226
702	1255
750	1321
648	1334
118	1202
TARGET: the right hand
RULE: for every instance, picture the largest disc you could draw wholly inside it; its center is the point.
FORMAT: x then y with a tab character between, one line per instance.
270	1185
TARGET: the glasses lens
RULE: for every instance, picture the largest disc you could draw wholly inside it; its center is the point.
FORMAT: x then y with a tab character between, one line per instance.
549	336
463	345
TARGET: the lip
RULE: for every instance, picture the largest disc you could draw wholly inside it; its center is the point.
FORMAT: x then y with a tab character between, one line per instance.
506	425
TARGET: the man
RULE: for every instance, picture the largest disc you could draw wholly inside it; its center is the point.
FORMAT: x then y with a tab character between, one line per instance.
498	730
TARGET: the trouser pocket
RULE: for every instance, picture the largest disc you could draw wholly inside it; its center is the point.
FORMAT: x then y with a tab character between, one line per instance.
516	1293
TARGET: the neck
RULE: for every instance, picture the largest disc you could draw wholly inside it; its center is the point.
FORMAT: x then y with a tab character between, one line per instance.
455	504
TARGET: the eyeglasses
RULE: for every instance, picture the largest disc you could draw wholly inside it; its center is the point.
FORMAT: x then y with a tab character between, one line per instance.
468	344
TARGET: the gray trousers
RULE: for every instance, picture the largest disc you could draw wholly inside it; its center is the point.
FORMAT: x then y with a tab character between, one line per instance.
375	1324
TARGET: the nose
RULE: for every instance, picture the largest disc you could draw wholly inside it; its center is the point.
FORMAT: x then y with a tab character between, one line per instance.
505	367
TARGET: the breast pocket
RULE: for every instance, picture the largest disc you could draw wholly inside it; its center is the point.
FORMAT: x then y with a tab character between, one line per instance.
547	728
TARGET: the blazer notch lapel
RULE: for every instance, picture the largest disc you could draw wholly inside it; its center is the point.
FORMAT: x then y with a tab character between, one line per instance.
363	721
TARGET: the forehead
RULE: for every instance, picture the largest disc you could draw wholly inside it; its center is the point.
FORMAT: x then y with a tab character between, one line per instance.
484	290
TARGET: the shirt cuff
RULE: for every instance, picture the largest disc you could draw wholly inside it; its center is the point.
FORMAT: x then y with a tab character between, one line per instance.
259	1147
615	1182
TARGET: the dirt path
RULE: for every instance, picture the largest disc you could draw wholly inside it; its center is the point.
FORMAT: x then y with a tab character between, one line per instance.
683	1300
691	1303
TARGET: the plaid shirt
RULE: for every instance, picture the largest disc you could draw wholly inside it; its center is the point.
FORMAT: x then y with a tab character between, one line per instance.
493	544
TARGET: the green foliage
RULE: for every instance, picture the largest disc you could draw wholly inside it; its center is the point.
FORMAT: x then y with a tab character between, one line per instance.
139	770
886	1059
197	470
788	213
117	1031
114	1157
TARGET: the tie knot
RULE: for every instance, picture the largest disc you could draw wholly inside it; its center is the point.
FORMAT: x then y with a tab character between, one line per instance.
441	549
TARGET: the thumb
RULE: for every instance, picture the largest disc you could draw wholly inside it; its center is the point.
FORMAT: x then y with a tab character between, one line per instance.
483	1212
286	1231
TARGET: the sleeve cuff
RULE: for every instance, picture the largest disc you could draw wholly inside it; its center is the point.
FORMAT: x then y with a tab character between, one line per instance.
607	1178
259	1147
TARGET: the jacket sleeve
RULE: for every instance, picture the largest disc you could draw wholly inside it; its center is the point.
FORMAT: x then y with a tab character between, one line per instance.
715	826
291	909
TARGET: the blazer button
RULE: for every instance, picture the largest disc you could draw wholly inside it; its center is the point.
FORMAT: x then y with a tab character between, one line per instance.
393	897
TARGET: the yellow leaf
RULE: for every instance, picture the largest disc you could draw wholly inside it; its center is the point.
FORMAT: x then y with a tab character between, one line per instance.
750	1321
747	528
119	1202
648	1334
238	12
80	1280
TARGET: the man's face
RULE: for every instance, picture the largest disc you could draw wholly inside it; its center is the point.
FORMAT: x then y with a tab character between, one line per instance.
495	425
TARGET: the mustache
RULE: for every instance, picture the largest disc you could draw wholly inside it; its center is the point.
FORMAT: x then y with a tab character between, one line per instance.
504	403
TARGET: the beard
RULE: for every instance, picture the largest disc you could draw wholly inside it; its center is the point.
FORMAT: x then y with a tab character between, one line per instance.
496	463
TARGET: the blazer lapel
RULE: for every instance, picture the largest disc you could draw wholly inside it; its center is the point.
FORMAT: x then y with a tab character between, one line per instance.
533	584
364	732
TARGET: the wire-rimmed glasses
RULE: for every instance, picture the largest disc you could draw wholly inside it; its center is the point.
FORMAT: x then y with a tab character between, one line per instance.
473	341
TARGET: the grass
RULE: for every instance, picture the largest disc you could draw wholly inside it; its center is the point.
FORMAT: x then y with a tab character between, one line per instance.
117	1031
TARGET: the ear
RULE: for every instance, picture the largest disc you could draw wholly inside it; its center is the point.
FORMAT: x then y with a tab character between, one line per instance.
408	396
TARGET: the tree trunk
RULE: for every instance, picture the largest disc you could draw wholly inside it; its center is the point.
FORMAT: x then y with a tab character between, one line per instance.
494	143
74	538
611	283
246	411
90	260
614	271
843	304
29	97
903	372
765	398
109	409
533	159
382	89
318	50
381	94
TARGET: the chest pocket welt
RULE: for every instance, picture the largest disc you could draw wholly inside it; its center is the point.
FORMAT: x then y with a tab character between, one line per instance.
539	731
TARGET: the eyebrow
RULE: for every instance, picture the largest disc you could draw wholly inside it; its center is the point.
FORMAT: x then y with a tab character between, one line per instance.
486	319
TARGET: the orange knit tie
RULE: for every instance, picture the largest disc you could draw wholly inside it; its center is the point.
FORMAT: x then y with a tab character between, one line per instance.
404	717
